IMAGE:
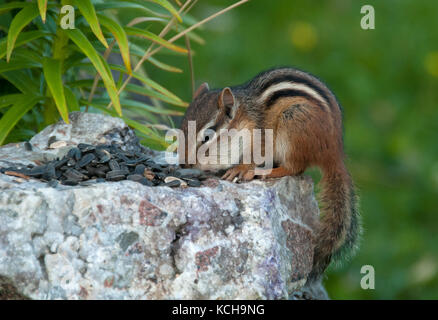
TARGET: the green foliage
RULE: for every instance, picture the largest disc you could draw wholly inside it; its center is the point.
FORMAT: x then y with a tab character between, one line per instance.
47	71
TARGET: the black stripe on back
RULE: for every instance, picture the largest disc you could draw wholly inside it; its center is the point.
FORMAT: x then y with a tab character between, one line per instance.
297	79
291	93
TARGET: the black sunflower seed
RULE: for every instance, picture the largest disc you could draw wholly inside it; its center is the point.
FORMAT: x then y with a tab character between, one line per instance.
116	175
49	172
135	177
74	153
74	175
104	155
193	183
146	182
88	182
139	169
37	171
51	140
173	183
188	173
86	147
71	162
27	146
86	159
69	183
113	164
61	163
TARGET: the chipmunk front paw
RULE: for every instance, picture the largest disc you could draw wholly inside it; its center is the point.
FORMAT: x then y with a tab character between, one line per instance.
244	172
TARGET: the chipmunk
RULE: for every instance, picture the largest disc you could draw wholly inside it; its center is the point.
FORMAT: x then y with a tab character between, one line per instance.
306	121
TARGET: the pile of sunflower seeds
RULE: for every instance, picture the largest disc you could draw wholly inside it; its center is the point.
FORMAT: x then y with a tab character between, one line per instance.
88	164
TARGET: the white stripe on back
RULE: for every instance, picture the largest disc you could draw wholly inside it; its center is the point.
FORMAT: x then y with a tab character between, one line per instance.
292	86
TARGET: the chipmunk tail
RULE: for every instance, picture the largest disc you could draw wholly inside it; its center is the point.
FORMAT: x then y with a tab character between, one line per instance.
340	228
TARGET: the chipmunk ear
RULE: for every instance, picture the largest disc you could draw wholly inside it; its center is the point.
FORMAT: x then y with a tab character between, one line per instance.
202	88
227	100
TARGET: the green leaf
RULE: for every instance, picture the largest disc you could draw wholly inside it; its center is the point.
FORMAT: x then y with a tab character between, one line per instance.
100	64
72	102
5	7
160	93
168	6
22	19
153	37
23	38
175	100
121	38
85	84
128	103
21	106
132	104
127	4
87	9
22	80
153	144
7	100
163	65
42	6
153	94
17	64
53	73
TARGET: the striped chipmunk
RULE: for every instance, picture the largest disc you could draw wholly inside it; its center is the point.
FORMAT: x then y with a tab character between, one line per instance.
306	123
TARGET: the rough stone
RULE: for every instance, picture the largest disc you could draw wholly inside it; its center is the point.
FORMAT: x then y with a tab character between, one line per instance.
123	240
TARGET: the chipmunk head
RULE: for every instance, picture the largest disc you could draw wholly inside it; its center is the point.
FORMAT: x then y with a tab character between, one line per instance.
211	110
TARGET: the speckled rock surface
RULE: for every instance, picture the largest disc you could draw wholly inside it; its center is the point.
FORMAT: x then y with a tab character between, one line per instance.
123	240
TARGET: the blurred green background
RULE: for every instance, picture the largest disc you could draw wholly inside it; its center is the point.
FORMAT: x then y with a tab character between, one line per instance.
387	82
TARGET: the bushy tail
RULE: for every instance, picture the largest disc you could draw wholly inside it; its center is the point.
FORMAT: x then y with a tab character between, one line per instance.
339	228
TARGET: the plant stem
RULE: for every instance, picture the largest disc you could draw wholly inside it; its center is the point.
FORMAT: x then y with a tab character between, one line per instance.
51	114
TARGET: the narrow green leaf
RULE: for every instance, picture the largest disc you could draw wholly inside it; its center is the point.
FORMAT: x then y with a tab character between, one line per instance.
53	73
22	80
153	94
152	84
42	6
127	103
121	38
132	104
128	4
22	19
100	64
5	7
84	83
165	4
154	144
153	37
17	64
72	101
164	66
87	9
21	106
23	38
7	100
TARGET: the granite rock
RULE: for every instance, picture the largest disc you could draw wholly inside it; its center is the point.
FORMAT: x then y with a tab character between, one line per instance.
123	240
